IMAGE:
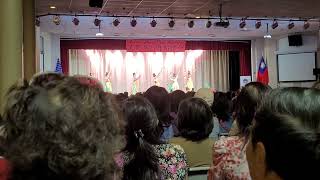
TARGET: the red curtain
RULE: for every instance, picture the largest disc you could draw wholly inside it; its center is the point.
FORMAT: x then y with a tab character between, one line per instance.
243	47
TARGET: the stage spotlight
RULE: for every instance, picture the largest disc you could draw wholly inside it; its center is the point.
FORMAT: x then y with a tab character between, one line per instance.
242	24
275	24
75	21
209	24
191	24
133	22
171	23
291	25
153	23
306	25
116	22
56	20
97	22
258	24
99	33
37	22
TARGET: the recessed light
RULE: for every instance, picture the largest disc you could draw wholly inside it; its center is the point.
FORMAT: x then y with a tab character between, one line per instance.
198	17
53	7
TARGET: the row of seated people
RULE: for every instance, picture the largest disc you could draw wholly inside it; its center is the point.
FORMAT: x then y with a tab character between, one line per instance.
58	127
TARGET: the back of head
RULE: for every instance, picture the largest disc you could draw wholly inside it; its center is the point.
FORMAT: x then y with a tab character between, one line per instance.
141	133
69	132
159	98
205	94
175	98
222	107
194	119
247	102
46	80
288	125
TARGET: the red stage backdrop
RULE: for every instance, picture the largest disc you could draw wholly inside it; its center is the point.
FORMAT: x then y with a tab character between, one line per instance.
155	46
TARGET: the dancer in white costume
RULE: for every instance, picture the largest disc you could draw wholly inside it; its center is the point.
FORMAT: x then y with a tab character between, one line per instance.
156	78
189	83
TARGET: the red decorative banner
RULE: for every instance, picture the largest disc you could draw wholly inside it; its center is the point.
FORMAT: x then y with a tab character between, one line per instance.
155	45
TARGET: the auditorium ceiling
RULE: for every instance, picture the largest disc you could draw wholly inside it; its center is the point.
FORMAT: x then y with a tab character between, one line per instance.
270	9
238	8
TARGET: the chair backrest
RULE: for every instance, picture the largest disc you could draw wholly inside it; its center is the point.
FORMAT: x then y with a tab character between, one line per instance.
198	173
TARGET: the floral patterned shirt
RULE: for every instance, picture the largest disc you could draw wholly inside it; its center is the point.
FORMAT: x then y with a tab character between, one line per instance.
172	161
229	160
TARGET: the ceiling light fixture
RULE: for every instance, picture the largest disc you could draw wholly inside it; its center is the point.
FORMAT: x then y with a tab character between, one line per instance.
268	35
153	23
116	22
76	21
97	22
133	22
209	24
306	24
99	34
53	7
291	24
275	24
258	24
191	24
171	23
242	24
56	20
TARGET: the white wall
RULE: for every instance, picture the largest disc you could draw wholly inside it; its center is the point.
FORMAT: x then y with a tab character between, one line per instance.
51	51
269	48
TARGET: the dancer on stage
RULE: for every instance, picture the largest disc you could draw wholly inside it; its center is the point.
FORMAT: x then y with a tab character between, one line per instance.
174	85
156	78
108	85
189	84
135	83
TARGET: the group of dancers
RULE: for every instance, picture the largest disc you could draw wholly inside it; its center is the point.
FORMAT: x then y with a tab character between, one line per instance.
172	86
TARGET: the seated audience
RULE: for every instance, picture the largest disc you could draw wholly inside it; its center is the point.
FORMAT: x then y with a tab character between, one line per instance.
144	156
159	98
285	139
195	124
221	108
68	133
229	160
175	98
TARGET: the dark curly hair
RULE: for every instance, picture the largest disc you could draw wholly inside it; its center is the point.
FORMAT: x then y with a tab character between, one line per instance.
67	133
195	119
47	80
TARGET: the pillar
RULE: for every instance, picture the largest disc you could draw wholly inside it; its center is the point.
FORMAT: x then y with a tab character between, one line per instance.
10	44
29	39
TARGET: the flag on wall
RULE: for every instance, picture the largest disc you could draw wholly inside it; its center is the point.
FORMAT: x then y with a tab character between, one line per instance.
58	66
263	75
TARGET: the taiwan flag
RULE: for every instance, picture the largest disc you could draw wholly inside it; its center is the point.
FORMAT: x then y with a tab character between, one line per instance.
263	75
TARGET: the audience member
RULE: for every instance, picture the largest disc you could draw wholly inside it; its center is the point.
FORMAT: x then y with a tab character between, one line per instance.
159	98
175	98
229	160
195	124
285	139
67	133
221	108
145	157
46	80
208	96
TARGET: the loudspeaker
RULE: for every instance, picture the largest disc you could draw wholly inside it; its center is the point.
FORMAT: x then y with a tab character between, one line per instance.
96	3
295	40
